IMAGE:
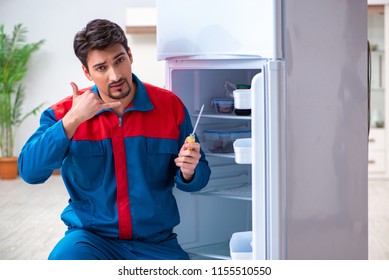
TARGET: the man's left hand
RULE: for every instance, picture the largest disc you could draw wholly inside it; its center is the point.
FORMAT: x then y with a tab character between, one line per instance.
187	159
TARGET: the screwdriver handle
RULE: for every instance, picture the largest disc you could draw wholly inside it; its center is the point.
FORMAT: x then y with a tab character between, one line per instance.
190	139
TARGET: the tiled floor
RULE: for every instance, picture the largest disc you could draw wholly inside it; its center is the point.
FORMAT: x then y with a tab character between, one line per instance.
31	225
30	218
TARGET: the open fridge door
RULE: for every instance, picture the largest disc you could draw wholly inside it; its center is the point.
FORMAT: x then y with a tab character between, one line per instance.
258	129
268	179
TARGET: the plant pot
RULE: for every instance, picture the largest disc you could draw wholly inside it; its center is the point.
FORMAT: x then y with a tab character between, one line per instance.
8	168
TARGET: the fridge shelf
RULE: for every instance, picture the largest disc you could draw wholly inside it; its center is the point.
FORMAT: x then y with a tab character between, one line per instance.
217	251
220	155
239	192
223	116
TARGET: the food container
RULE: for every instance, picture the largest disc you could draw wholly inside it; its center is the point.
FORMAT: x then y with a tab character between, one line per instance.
242	150
223	105
240	245
242	101
222	141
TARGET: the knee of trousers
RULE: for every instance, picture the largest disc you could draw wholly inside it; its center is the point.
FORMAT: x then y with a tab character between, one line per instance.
77	245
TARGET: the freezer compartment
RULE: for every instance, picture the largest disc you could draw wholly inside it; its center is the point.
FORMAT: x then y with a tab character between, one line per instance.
214	29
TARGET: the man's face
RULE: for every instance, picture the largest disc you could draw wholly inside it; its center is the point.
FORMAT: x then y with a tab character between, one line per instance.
110	69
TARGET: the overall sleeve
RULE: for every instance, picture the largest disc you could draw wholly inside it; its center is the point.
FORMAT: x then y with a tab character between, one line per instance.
202	171
44	151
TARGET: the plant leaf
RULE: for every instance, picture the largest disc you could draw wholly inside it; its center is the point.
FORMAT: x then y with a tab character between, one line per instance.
15	53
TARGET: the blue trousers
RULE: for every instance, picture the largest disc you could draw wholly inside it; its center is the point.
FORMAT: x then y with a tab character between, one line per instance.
81	244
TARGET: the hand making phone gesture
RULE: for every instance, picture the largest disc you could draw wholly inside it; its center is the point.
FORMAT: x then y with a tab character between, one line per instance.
84	107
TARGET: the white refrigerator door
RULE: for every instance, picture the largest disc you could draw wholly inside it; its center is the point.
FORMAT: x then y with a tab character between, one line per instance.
258	143
218	28
268	162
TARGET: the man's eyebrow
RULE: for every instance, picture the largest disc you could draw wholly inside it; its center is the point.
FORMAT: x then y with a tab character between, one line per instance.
120	54
104	62
99	64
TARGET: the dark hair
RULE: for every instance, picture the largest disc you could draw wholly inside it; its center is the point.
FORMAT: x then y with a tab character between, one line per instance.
97	34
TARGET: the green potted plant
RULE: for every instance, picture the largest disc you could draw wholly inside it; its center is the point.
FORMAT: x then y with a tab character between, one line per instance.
15	53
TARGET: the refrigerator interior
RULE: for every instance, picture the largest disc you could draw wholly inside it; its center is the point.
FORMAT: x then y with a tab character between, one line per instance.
211	216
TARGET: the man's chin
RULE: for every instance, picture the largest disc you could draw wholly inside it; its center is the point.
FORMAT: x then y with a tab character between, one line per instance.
118	95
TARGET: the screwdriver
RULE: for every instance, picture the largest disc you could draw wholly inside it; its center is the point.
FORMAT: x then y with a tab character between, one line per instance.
191	138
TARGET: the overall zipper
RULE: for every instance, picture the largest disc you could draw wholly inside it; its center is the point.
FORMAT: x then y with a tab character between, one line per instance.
120	121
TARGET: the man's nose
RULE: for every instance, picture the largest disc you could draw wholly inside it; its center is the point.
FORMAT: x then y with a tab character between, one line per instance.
114	75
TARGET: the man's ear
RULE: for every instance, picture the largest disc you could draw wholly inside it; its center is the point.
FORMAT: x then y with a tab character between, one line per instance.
86	73
130	55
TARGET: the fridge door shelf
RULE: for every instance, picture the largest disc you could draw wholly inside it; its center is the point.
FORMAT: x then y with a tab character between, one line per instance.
241	245
243	151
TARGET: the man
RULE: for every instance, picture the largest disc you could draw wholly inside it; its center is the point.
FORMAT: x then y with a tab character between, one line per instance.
121	149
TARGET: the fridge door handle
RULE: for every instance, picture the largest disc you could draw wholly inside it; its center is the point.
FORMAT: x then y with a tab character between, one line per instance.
275	160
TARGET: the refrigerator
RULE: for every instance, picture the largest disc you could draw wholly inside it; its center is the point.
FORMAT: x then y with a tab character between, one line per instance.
303	191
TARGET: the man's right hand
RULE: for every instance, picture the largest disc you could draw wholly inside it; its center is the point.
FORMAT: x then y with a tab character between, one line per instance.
85	106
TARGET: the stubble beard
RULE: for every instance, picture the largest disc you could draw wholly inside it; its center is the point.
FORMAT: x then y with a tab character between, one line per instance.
122	94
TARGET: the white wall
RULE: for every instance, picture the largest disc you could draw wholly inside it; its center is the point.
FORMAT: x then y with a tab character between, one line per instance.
54	65
377	2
